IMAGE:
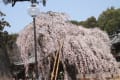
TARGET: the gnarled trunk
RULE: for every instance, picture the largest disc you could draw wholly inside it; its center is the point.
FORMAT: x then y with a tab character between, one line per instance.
5	72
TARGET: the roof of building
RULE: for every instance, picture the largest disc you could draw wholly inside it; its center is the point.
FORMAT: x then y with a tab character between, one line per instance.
116	39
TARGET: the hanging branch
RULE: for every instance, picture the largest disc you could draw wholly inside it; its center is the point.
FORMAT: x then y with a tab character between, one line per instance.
14	1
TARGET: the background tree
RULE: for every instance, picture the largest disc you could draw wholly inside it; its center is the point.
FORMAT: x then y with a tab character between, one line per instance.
3	22
109	20
75	22
89	23
5	72
3	34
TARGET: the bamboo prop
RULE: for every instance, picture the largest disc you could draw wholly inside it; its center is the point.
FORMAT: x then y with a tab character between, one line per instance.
56	64
61	45
52	74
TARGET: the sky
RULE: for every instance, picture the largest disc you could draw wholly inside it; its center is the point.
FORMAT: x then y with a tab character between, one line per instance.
78	10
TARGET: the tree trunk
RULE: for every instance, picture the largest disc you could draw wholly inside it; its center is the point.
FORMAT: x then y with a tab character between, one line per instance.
5	72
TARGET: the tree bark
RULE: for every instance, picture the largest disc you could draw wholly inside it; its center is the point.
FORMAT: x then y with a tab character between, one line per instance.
5	71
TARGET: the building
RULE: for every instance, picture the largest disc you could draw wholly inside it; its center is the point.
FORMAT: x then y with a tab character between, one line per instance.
116	47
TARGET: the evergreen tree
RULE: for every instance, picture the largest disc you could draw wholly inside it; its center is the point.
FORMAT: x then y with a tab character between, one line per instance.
5	72
109	20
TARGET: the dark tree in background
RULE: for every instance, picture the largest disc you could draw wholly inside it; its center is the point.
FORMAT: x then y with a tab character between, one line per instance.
3	24
75	22
89	23
109	20
5	72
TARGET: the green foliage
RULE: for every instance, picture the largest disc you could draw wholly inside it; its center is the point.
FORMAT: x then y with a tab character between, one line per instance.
2	14
89	23
3	34
109	20
3	22
11	39
75	22
6	40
